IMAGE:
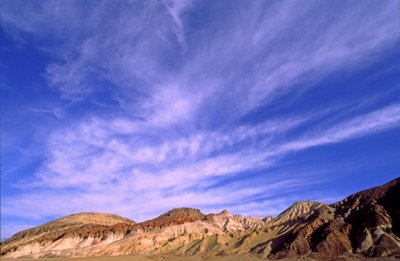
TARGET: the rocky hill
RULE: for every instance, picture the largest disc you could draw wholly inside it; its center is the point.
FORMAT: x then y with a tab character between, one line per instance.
175	216
76	230
299	210
364	224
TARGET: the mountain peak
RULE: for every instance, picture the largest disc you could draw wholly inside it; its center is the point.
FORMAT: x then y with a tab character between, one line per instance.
365	223
268	219
183	210
94	218
224	212
304	205
297	210
174	216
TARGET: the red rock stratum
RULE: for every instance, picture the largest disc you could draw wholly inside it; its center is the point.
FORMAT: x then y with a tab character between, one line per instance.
365	224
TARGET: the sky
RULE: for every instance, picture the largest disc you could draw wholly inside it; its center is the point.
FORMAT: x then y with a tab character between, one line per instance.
138	107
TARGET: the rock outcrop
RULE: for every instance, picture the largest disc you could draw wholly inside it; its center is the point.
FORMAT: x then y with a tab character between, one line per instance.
175	216
299	210
365	224
73	231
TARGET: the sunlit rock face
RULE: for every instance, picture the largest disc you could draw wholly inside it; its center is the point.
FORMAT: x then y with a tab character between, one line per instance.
363	224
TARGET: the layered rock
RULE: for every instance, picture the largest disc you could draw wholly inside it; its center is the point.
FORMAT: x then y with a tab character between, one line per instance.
299	210
175	216
374	216
227	222
363	224
73	231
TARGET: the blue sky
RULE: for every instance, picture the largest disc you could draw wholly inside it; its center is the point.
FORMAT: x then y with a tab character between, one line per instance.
137	107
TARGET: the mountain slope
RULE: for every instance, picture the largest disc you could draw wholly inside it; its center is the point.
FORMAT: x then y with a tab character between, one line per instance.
298	210
75	230
363	224
173	217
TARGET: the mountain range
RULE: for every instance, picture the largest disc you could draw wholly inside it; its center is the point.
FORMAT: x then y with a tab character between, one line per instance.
365	224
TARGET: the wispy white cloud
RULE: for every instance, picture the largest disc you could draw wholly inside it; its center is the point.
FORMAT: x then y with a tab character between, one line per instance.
376	121
55	112
176	8
132	48
183	87
112	173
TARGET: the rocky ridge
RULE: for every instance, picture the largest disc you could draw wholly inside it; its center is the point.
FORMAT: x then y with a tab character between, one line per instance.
79	229
363	224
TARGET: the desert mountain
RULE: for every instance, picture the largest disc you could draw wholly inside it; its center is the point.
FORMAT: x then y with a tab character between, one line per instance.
299	209
366	224
93	218
230	223
70	230
173	217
